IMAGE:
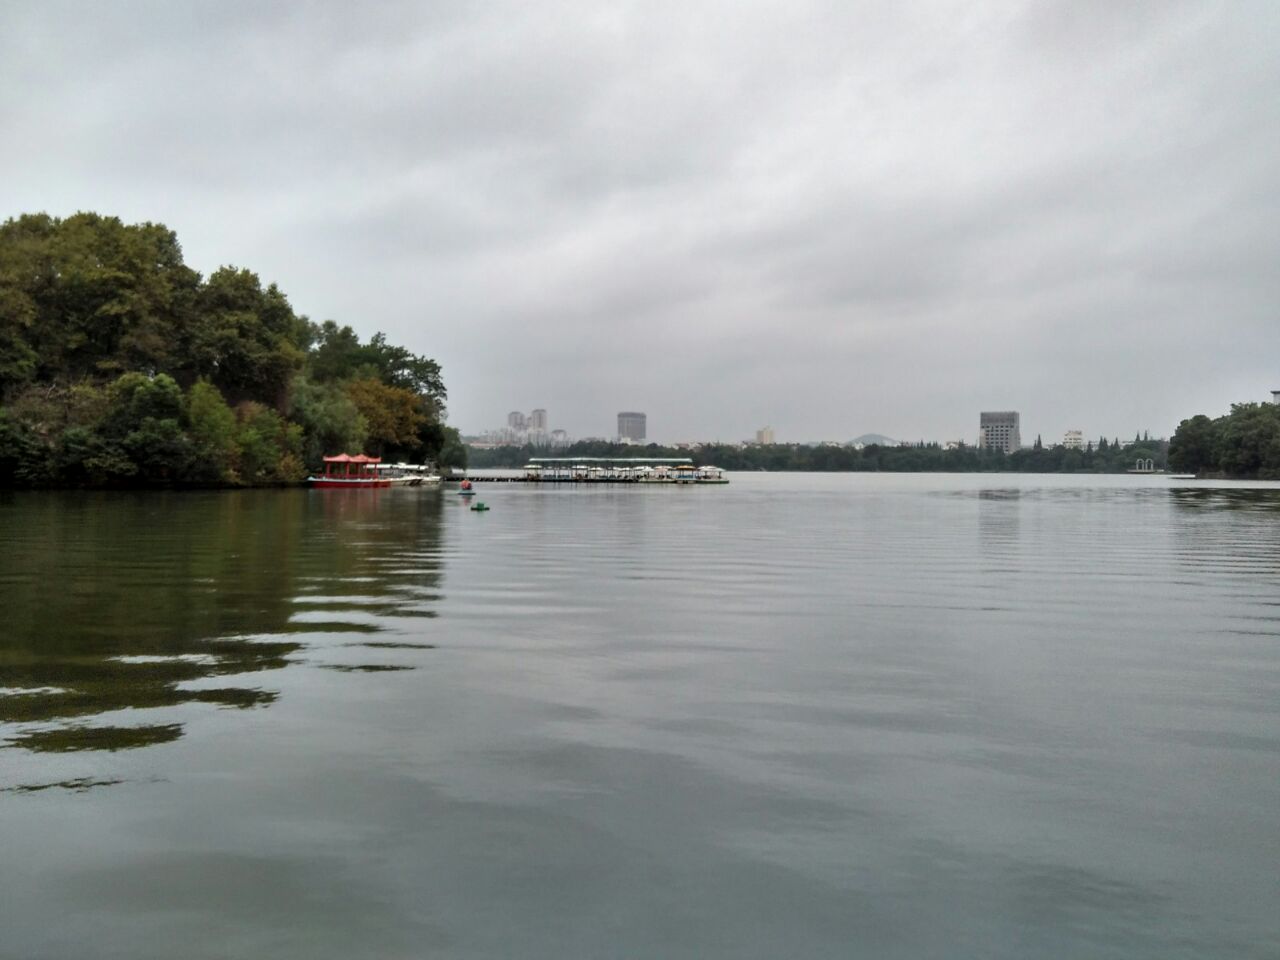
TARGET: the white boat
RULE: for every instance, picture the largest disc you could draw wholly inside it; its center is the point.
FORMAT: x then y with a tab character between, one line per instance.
408	474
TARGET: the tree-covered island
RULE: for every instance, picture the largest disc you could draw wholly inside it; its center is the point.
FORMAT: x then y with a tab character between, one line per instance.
120	366
1243	445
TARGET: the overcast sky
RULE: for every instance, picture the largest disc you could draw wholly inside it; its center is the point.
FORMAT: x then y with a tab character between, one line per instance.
834	218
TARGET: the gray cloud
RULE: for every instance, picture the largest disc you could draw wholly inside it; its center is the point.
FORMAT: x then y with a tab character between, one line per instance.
830	217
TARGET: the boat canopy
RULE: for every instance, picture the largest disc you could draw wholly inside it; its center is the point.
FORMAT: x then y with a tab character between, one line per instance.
625	461
348	458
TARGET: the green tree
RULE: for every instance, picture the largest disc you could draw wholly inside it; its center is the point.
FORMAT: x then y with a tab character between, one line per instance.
452	453
268	449
338	355
247	339
212	429
331	423
335	353
393	414
1194	446
159	448
83	458
1246	439
135	397
91	296
142	425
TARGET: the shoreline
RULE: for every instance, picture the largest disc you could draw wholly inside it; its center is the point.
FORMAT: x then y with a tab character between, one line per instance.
304	484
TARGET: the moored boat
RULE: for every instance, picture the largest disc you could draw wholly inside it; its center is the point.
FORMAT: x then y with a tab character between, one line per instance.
364	476
408	474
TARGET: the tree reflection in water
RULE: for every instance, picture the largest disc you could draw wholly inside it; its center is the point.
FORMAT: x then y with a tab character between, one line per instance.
149	600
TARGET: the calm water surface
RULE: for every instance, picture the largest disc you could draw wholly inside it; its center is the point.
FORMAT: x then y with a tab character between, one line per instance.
799	716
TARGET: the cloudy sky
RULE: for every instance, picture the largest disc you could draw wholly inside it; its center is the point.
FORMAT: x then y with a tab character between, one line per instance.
833	218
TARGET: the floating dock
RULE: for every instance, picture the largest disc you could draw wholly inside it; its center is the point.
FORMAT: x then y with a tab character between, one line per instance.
610	470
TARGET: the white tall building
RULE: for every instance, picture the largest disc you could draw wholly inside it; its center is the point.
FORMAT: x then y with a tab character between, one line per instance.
1000	430
631	425
764	435
1073	439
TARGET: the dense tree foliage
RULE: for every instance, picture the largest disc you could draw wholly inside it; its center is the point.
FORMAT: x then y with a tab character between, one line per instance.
1101	457
1244	444
119	365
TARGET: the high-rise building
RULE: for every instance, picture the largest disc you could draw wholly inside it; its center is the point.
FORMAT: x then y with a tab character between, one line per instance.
515	420
631	425
764	435
1275	397
1073	440
538	420
1000	430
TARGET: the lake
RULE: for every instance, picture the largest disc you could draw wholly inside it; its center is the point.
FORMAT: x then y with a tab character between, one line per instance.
798	716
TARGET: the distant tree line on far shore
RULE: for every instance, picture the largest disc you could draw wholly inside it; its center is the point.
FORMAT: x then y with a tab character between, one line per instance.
120	365
1102	456
1244	444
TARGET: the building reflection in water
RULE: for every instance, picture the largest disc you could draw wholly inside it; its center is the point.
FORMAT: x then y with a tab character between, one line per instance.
999	528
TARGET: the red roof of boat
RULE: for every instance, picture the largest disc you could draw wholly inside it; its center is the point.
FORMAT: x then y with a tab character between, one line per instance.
347	458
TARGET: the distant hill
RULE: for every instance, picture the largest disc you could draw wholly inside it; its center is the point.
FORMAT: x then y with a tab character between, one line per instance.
867	439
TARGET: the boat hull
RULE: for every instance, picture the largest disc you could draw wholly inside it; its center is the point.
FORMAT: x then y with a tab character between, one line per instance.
326	483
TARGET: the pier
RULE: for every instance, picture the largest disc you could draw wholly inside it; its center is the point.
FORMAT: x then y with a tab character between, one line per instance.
573	470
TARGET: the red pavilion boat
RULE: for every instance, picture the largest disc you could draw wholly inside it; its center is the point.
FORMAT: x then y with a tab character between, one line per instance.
364	474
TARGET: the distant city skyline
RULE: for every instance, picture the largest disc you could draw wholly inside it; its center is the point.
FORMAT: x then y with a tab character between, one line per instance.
1071	434
1007	435
522	428
1024	437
